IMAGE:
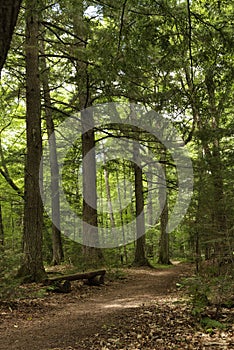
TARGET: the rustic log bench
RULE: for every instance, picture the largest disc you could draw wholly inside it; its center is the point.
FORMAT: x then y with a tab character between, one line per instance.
62	284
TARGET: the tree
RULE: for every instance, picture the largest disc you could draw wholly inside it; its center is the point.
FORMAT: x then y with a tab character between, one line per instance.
9	10
209	94
164	235
92	254
140	257
58	254
32	268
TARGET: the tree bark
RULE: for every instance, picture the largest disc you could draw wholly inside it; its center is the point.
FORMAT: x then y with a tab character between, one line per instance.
122	220
32	269
9	10
108	190
58	254
140	258
92	255
76	276
164	236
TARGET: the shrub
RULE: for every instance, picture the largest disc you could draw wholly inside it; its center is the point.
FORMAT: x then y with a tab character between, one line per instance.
9	263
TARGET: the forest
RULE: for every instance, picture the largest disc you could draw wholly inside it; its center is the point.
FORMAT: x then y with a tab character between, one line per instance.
117	159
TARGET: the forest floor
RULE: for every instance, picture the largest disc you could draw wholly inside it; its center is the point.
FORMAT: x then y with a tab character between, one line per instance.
143	310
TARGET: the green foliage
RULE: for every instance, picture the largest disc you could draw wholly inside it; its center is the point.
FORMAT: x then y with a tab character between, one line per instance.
9	284
73	254
209	324
161	266
116	274
198	292
206	291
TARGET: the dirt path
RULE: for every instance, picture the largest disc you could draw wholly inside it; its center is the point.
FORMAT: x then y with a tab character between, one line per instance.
68	318
73	321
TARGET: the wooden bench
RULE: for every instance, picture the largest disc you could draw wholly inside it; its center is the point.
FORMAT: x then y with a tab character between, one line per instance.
62	284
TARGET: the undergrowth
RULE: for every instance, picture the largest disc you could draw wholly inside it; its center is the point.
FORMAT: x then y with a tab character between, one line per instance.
9	284
209	295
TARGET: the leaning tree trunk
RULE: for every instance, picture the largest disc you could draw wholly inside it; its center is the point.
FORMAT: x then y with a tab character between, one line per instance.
32	268
58	254
9	10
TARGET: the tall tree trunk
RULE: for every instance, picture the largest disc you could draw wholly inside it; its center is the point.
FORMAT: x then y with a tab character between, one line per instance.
140	258
58	254
90	223
32	268
92	254
121	218
9	10
149	197
108	190
164	236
